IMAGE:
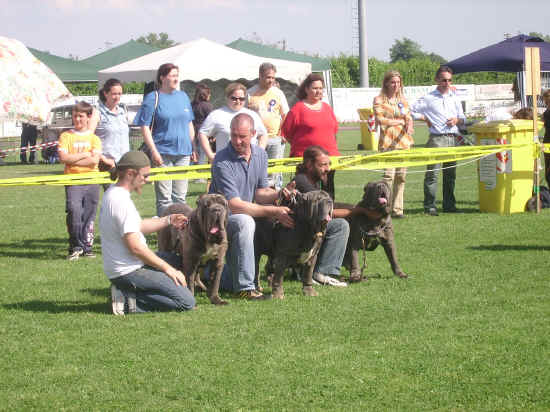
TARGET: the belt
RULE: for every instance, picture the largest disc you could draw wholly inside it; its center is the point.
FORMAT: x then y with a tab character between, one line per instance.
443	134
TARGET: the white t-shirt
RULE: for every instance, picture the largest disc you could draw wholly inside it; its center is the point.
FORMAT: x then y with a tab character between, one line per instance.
118	216
218	125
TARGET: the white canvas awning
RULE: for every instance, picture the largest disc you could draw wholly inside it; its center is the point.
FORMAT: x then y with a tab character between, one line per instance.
203	59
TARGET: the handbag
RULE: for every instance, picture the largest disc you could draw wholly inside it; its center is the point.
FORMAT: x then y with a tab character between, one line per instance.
144	148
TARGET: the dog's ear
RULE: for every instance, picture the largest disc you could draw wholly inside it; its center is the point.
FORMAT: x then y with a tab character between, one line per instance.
201	200
383	182
368	187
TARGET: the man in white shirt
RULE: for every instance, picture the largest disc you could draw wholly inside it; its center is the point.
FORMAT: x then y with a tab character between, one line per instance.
141	281
271	104
443	112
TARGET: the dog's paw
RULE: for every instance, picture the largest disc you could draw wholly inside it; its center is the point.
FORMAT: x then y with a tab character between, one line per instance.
356	278
216	300
309	291
402	275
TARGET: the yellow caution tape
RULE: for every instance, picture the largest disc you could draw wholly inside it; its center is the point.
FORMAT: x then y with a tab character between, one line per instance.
385	160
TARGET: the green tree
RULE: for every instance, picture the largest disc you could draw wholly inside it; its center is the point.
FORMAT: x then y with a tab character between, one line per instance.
160	40
90	89
544	37
405	49
345	71
436	58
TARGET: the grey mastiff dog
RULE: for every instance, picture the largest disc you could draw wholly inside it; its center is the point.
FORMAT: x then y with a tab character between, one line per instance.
300	245
369	230
202	243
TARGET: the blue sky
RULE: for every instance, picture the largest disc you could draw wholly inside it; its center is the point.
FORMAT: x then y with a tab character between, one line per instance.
449	28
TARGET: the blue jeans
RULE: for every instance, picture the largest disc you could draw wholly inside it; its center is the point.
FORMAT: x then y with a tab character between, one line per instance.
239	270
154	290
333	249
171	191
275	149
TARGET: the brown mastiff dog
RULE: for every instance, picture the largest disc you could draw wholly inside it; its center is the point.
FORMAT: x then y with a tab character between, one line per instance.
287	247
202	243
369	230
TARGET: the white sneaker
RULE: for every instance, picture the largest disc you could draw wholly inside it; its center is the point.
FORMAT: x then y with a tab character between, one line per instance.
117	301
328	280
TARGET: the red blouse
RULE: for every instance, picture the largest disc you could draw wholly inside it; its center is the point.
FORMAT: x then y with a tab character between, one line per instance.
304	127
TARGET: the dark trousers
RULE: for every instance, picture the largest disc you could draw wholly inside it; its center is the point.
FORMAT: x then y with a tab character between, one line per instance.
81	207
449	176
27	139
547	168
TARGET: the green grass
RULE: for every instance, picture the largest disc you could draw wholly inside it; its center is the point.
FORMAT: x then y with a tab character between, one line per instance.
468	331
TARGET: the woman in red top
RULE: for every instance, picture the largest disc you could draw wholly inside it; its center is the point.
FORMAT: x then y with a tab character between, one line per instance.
311	121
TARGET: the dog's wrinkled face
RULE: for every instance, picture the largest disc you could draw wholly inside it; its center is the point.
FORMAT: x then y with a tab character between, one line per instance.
377	197
212	212
314	207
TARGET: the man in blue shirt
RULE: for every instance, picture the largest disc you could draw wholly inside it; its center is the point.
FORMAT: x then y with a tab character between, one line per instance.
239	172
443	112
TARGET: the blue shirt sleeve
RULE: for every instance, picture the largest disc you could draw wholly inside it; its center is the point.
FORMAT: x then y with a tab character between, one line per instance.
223	179
144	115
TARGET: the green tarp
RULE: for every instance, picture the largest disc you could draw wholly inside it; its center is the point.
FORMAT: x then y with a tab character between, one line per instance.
119	54
66	69
317	64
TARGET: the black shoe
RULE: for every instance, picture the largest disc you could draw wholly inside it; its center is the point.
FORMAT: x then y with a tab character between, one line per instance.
451	210
431	211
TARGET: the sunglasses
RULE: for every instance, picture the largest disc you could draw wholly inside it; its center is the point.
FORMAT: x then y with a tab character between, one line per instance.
445	80
237	99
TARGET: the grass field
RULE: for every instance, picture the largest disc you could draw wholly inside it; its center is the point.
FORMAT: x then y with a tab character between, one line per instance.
468	331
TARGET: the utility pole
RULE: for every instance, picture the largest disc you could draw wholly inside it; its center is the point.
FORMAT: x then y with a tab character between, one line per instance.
363	56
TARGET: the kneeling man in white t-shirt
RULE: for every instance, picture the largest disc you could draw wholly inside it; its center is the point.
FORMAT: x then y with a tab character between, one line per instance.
141	281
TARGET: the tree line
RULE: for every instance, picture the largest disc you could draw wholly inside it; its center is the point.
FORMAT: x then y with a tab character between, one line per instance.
417	68
417	71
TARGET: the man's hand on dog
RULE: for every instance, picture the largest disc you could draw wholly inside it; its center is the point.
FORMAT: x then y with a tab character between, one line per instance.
282	214
179	221
289	190
176	276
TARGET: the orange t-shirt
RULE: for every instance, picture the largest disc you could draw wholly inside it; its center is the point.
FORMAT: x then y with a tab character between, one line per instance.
72	142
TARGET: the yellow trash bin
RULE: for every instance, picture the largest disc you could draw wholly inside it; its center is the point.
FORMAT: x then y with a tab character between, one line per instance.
505	178
369	134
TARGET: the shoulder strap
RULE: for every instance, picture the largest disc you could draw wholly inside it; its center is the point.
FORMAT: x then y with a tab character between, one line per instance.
155	111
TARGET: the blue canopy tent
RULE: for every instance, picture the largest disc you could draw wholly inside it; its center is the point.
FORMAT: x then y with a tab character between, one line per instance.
507	56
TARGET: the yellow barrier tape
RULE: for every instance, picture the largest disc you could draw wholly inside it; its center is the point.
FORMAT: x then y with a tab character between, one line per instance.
385	160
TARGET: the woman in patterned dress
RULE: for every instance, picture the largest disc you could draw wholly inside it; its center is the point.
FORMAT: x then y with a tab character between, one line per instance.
392	113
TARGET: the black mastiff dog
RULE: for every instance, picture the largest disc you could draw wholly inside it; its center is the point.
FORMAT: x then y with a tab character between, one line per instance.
203	242
287	247
369	230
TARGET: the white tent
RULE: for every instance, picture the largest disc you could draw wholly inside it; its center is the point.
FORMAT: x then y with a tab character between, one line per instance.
203	59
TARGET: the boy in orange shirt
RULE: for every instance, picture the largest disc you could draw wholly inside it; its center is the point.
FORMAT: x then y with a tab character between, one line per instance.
79	149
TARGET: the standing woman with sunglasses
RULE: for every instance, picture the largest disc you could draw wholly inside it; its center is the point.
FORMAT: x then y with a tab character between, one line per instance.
217	124
171	140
